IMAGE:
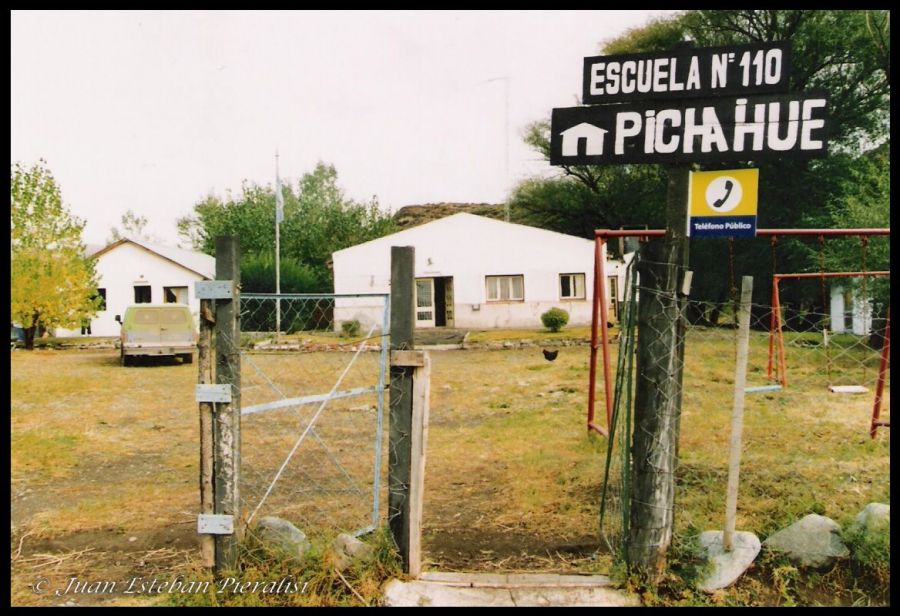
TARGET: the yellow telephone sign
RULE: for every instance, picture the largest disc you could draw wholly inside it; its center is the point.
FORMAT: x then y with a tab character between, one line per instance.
723	203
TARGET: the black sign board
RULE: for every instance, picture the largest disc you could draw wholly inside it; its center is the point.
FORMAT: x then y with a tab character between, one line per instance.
687	72
716	129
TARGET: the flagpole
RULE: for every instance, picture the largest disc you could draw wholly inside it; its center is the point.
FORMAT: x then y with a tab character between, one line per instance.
277	252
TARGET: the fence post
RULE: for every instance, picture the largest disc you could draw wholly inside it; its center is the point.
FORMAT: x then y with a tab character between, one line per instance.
227	430
737	411
419	439
401	399
205	377
657	402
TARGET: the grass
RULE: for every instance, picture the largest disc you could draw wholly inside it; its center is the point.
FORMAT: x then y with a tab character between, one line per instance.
314	581
104	471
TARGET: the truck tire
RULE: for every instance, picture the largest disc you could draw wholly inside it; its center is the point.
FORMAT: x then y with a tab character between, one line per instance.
187	358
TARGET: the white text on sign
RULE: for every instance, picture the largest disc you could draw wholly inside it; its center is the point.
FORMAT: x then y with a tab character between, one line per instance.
722	129
711	71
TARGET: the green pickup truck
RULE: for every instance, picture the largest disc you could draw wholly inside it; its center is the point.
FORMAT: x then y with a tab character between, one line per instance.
154	330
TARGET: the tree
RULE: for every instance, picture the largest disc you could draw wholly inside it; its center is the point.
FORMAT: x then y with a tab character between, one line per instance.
844	53
133	226
318	220
52	282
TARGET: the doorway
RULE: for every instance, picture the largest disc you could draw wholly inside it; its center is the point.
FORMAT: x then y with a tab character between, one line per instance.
434	302
425	302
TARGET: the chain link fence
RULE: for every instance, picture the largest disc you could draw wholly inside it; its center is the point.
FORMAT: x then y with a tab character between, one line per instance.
313	374
803	364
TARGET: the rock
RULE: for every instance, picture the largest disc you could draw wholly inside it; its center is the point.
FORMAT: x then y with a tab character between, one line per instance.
508	345
446	387
814	541
727	567
283	535
348	548
874	517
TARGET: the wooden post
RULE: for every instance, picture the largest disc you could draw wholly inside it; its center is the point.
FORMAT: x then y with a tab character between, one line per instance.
227	429
657	404
205	377
737	411
401	398
421	400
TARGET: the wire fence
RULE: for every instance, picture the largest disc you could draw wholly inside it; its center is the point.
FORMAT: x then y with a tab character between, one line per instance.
313	410
806	365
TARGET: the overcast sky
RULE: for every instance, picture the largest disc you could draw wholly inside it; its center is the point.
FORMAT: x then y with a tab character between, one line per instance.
154	110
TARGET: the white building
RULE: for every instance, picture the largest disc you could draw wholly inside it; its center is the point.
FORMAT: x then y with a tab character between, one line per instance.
476	272
134	272
859	313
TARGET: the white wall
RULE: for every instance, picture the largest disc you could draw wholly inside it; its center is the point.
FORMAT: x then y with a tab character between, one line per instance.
119	270
468	248
861	320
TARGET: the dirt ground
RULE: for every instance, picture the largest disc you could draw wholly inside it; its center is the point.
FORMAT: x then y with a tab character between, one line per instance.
105	467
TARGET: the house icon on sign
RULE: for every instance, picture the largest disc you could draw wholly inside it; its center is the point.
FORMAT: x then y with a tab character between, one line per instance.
592	135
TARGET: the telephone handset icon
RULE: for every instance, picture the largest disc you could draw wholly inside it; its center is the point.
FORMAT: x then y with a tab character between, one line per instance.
721	201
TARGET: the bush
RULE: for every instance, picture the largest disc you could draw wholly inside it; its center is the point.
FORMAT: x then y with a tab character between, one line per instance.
555	319
258	276
350	329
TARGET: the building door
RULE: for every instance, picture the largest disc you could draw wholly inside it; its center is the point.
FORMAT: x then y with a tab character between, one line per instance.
425	302
448	300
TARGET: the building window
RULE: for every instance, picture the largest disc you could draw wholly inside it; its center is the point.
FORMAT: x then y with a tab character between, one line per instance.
142	294
505	288
101	293
175	295
571	286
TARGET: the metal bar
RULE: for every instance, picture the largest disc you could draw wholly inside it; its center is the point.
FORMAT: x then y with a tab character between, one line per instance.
882	370
592	382
288	402
833	274
598	429
311	295
771	362
782	368
608	233
604	336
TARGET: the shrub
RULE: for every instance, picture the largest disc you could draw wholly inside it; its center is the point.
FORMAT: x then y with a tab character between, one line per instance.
350	329
555	319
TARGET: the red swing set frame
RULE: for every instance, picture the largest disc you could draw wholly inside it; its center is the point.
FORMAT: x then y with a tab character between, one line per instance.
600	313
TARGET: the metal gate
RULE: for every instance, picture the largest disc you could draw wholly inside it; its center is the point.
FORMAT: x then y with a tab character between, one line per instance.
313	370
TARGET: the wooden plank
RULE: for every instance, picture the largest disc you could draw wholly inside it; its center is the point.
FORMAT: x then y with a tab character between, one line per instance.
421	401
408	359
402	328
205	376
513	580
227	425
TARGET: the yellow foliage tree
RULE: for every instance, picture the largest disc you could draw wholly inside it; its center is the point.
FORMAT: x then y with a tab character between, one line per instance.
52	282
